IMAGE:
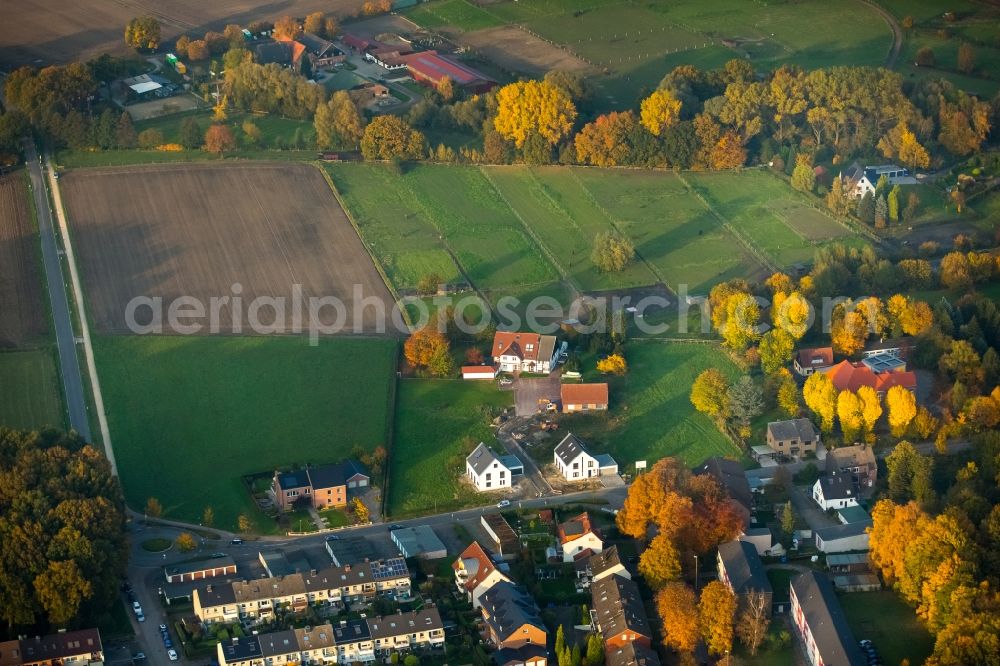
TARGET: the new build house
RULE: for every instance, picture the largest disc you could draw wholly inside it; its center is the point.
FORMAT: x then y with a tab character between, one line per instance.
511	617
575	463
487	470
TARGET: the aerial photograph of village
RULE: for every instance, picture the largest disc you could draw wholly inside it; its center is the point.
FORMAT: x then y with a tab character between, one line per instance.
500	332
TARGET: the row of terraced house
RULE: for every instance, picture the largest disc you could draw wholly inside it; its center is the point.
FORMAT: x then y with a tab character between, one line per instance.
252	601
347	642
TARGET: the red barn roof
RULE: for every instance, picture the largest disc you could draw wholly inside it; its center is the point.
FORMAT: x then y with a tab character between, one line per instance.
431	67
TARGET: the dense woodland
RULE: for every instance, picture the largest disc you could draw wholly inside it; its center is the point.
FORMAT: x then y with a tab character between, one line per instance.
62	526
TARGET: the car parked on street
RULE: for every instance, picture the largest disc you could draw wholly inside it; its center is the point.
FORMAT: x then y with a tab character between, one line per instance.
503	504
172	655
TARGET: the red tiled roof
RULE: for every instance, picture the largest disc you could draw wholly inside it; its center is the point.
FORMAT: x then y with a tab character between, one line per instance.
824	356
515	344
850	377
575	527
484	569
433	67
584	394
477	369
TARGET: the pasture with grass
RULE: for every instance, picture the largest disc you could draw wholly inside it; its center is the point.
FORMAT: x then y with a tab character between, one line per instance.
32	397
190	416
438	422
883	618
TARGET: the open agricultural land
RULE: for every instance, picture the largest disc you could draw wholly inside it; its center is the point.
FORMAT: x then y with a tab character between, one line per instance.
31	393
651	415
57	31
189	416
438	422
198	230
514	230
631	45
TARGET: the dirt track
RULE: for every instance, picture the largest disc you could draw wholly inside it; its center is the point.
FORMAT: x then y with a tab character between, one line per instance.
55	31
198	230
22	310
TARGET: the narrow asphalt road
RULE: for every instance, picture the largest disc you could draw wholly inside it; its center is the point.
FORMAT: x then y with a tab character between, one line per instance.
69	364
897	33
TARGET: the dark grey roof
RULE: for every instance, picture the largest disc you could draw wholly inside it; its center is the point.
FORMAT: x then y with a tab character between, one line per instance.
53	647
822	612
730	476
241	649
902	343
481	458
518	656
606	559
278	643
509	608
333	578
314	43
199	565
843	531
217	594
295	479
569	448
336	474
743	567
352	550
279	52
351	631
631	654
618	606
800	429
405	623
837	485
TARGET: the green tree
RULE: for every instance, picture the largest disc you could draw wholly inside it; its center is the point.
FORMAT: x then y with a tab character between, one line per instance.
909	474
125	134
776	349
612	252
390	137
788	519
208	517
595	649
881	212
746	400
143	33
866	208
61	589
185	542
191	134
893	203
803	177
244	523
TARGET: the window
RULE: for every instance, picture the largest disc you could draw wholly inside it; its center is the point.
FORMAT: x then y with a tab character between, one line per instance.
488	484
489	476
576	465
590	463
503	473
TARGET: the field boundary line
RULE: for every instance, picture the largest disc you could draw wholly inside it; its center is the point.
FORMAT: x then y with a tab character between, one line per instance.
364	243
88	347
390	436
757	253
614	225
566	277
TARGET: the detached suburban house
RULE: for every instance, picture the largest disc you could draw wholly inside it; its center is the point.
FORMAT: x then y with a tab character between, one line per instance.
835	491
488	471
583	397
808	361
575	463
578	538
524	352
325	486
821	624
475	572
861	181
793	438
858	461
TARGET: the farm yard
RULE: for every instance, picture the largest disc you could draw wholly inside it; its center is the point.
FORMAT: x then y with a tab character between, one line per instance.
651	414
189	416
198	230
635	43
438	422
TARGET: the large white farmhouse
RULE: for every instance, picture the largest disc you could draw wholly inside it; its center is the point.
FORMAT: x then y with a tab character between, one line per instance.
524	352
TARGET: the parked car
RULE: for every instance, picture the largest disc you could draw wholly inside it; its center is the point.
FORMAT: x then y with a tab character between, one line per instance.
506	381
503	503
139	616
136	607
167	643
139	656
236	542
333	537
172	654
163	628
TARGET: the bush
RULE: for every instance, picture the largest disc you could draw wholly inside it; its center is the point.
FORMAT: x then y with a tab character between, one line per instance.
150	138
170	148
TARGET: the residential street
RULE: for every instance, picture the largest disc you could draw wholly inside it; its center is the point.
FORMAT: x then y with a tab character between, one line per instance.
69	365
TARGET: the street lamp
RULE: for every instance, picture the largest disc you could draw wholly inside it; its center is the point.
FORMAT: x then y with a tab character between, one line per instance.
696	574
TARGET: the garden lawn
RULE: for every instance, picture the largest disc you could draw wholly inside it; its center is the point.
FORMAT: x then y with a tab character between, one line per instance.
671	229
32	397
651	413
883	618
438	422
189	416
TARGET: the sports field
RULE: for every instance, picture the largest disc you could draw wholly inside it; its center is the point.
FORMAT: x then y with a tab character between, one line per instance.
438	422
651	413
213	232
190	415
30	387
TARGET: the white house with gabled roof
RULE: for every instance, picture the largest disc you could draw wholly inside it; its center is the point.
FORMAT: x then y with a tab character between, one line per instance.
488	471
575	463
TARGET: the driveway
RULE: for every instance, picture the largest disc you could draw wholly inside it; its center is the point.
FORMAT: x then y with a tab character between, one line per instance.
527	393
803	504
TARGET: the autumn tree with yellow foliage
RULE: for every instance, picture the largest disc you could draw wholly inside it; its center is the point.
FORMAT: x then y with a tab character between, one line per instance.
605	141
849	414
902	405
871	411
677	606
792	313
710	394
820	396
716	617
533	107
614	364
901	144
660	562
659	112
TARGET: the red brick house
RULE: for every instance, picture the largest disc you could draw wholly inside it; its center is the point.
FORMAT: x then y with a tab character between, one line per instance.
325	486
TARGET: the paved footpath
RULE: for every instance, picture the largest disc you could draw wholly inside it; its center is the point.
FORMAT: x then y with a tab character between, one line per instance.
69	364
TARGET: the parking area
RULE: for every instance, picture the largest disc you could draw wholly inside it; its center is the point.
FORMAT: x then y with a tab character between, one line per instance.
528	391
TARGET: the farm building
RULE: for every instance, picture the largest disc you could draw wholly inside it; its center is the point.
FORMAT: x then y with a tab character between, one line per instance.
488	471
430	68
321	52
508	545
843	538
575	463
484	372
821	624
420	541
835	491
200	569
808	361
583	397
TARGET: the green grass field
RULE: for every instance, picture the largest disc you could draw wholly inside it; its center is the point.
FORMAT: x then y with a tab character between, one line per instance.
651	413
31	394
438	421
189	416
890	624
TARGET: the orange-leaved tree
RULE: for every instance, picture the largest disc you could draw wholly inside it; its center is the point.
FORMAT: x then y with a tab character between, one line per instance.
717	614
219	139
425	349
677	605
